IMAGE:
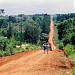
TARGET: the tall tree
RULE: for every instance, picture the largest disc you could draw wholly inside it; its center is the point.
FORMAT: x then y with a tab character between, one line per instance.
32	31
66	31
1	11
21	20
10	32
46	23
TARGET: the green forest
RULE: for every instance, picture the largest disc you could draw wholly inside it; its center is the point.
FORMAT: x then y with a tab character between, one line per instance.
34	29
21	29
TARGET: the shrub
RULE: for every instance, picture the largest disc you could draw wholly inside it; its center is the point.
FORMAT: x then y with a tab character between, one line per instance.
13	42
2	53
61	45
29	47
9	50
17	50
68	49
3	42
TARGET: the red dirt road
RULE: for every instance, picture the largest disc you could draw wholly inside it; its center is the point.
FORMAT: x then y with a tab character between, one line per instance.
51	36
36	62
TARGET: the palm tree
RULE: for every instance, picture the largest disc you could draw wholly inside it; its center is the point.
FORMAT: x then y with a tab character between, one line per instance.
1	11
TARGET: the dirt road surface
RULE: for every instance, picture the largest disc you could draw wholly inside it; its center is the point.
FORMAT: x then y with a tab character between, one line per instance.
51	36
36	62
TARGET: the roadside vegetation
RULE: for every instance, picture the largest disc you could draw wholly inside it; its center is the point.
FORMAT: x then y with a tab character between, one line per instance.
65	24
21	33
10	47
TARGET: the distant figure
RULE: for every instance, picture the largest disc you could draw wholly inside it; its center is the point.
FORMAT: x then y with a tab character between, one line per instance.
46	47
50	48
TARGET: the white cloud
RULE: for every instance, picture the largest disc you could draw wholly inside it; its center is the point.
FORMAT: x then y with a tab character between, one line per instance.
37	6
74	5
29	1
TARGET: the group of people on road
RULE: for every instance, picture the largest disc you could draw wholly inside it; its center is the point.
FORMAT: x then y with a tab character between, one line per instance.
47	47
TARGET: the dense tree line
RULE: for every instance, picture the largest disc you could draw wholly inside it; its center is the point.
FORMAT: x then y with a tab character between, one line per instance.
65	24
62	17
18	29
38	24
33	27
66	31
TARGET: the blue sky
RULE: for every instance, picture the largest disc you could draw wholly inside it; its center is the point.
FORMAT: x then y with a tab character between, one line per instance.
13	7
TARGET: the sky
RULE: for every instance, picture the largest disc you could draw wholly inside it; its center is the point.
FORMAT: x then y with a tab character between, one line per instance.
14	7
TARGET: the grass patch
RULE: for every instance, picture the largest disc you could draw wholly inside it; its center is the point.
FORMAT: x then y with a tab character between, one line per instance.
17	50
73	71
25	48
29	47
69	49
72	58
10	50
2	53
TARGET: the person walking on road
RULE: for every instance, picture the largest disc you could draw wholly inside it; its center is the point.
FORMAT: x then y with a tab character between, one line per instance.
46	47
